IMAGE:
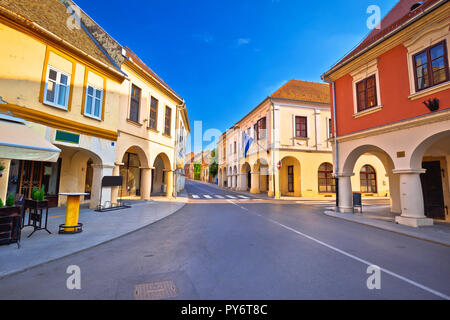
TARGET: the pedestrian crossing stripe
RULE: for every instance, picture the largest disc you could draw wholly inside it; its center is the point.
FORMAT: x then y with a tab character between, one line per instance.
218	196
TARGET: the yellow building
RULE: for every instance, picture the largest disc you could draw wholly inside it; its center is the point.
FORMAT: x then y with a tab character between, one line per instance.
55	76
91	99
153	128
289	150
222	161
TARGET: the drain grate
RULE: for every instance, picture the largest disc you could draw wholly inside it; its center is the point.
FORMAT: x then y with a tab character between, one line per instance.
155	290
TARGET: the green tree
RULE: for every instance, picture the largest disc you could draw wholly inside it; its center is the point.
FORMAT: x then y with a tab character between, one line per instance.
197	171
213	169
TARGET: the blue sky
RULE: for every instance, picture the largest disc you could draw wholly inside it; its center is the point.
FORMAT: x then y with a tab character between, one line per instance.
225	56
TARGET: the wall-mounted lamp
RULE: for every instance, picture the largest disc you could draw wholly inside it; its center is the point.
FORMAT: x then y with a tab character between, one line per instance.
432	104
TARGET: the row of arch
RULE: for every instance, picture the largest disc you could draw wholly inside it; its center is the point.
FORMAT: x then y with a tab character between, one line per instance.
416	161
139	174
325	177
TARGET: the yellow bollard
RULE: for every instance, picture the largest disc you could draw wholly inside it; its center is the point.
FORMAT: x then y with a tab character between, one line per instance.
72	212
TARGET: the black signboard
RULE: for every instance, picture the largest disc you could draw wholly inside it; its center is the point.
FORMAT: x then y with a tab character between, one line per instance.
112	181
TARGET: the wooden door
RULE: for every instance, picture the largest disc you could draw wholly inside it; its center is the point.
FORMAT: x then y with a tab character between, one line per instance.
433	194
31	173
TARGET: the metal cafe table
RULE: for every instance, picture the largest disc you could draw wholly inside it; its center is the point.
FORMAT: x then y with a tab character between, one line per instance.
71	225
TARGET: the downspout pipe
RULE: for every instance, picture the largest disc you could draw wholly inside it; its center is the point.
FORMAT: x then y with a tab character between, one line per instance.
273	147
336	143
336	147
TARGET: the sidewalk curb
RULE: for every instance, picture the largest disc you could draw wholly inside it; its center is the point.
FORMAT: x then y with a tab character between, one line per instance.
332	214
184	203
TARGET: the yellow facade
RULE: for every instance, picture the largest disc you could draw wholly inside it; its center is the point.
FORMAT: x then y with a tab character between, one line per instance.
76	95
300	157
155	149
24	67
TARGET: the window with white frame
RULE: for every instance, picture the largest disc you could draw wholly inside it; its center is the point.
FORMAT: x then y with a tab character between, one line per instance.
94	102
366	88
428	60
57	88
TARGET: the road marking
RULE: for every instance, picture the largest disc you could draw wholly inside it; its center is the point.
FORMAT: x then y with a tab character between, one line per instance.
219	196
234	203
395	275
231	197
243	197
195	196
207	196
391	273
53	217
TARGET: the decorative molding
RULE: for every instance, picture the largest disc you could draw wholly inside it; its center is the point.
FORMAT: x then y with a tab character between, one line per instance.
409	171
430	91
367	111
56	122
439	116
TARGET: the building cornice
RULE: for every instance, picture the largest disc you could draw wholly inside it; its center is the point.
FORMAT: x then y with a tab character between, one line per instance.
439	116
56	122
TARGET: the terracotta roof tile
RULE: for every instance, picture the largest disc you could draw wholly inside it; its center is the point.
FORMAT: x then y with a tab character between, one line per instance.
304	91
52	15
400	14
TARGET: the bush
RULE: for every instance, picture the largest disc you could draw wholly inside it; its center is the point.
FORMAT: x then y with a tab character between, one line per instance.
1	203
10	201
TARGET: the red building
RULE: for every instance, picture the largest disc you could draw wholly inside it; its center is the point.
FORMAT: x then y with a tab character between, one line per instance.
391	98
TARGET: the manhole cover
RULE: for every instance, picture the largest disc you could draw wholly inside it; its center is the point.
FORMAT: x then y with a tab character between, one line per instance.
155	290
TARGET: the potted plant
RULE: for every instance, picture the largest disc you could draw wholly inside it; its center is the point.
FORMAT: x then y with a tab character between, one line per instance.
9	205
2	168
10	221
37	200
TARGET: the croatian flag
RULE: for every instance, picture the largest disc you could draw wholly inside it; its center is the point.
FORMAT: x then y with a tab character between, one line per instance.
247	143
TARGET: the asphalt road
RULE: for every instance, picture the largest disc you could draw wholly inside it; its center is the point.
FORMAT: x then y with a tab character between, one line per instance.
237	248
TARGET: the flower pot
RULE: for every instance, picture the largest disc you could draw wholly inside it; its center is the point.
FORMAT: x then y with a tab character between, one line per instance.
10	223
36	204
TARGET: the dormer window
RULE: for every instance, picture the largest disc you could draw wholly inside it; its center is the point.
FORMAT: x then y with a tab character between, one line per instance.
416	5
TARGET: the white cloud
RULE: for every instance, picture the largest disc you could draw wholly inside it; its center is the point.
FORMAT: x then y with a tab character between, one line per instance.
243	41
207	38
